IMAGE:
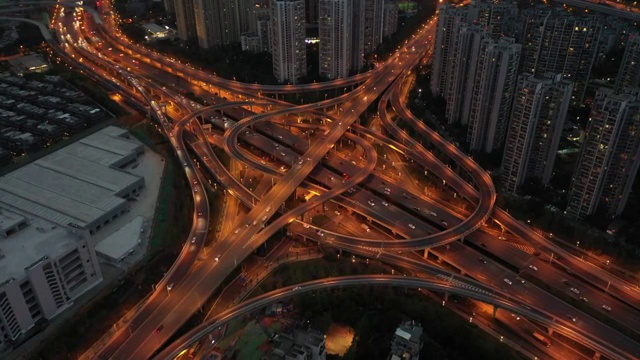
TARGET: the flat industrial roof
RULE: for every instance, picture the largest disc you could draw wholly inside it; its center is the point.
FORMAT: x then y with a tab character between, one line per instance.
23	248
72	185
125	239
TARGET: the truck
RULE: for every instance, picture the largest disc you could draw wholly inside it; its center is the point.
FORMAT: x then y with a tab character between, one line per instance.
542	339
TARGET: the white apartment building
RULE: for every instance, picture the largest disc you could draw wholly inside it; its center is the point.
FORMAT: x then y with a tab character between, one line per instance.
43	268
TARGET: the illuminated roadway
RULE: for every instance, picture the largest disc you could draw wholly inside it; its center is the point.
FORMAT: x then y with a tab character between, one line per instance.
313	152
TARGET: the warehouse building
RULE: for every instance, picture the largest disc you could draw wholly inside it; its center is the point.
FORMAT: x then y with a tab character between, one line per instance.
49	210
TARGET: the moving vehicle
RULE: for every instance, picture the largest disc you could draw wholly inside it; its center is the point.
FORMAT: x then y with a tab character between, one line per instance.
542	339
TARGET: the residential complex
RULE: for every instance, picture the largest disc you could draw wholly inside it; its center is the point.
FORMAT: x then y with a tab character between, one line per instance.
288	40
539	109
558	42
609	157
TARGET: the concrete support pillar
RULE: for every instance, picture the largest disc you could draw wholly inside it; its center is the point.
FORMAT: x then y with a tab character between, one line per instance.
550	331
426	253
462	239
596	356
495	310
446	296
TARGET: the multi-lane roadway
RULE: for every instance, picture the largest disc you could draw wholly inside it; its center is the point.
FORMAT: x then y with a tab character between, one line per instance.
374	195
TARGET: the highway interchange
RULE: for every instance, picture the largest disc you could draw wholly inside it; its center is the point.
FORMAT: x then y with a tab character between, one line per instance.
401	217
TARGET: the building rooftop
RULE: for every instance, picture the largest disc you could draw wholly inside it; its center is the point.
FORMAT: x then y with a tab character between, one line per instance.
119	244
29	63
41	238
73	185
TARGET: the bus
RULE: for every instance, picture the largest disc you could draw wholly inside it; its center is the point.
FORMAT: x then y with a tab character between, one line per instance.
542	339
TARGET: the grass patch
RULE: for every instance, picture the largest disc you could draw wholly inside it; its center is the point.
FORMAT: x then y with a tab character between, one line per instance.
175	206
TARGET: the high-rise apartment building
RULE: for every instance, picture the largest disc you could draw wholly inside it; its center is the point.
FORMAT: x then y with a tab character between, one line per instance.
629	71
217	22
357	35
373	12
288	40
497	17
247	15
450	19
185	19
263	28
460	26
538	112
311	11
609	156
461	70
389	18
492	95
169	7
558	42
334	25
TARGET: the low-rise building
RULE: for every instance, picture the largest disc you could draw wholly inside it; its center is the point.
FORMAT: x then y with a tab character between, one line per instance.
407	342
299	345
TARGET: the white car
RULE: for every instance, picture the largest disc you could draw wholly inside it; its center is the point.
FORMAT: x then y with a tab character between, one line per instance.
412	226
532	267
508	281
370	202
606	307
217	258
193	240
433	214
384	203
575	291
